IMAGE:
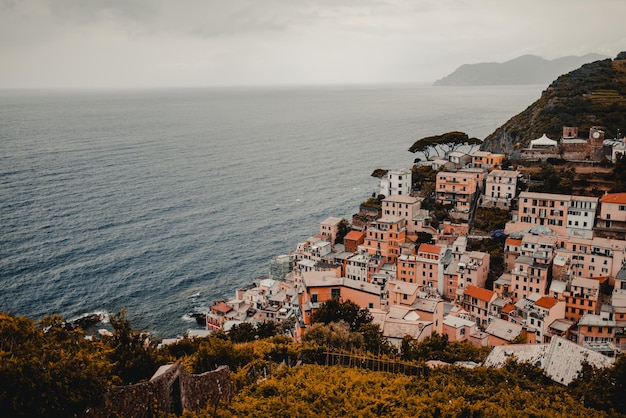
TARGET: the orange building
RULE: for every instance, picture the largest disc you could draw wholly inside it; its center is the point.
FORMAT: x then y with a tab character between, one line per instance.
319	287
458	188
581	298
352	240
385	238
485	159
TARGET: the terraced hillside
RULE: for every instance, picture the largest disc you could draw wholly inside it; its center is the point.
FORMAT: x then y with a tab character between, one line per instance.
593	95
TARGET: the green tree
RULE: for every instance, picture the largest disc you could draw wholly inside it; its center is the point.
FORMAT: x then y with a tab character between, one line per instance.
342	230
49	369
334	311
241	333
134	355
266	329
447	142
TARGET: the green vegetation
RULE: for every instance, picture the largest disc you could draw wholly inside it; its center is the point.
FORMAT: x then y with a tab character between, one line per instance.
447	142
50	369
311	391
593	95
490	219
374	202
379	172
423	178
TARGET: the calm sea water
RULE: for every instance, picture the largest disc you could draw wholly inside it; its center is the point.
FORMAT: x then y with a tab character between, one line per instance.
162	201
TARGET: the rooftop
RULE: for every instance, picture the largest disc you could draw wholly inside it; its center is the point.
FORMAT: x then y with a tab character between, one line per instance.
561	359
613	198
546	302
479	293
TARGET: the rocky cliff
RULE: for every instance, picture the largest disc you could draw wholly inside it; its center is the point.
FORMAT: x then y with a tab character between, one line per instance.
592	95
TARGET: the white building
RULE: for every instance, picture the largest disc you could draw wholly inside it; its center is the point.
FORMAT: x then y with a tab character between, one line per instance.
396	182
581	215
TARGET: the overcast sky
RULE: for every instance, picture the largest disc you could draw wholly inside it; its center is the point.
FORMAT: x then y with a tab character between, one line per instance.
167	43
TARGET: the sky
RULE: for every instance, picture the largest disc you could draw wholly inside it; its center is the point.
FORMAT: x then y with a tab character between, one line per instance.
195	43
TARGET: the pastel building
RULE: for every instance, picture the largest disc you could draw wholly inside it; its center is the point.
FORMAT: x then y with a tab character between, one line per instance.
357	267
618	302
352	240
408	208
329	228
486	159
538	314
478	303
396	182
318	287
582	297
457	188
597	332
595	257
500	189
563	214
385	237
612	216
532	269
458	328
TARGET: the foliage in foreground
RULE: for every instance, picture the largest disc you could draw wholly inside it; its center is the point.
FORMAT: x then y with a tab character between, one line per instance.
309	391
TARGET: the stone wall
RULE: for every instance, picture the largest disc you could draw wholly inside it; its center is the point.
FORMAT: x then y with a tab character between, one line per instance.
170	391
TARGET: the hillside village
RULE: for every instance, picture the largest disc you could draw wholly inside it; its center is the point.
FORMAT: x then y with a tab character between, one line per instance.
563	256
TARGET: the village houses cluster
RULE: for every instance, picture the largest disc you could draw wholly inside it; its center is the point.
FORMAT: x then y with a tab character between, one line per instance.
564	260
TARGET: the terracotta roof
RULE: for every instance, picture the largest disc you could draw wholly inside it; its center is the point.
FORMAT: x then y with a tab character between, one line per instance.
613	198
222	308
546	302
513	241
479	293
355	235
429	248
508	308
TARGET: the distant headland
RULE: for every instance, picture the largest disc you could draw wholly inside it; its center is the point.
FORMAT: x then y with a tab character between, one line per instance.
527	69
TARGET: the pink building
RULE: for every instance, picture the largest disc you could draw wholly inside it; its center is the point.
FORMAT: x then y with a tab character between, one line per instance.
563	214
478	303
329	228
612	215
458	188
500	189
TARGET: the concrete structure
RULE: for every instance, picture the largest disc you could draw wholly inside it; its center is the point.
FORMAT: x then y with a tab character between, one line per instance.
171	390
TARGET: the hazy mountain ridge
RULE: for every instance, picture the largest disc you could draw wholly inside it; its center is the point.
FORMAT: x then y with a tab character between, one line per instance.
592	95
527	69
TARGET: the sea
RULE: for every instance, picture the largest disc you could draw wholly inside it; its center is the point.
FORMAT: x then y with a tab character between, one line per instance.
161	201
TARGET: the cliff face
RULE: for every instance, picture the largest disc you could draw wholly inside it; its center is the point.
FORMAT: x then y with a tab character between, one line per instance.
592	95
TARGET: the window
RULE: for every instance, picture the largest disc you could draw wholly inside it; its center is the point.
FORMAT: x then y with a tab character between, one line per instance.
314	297
335	293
